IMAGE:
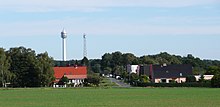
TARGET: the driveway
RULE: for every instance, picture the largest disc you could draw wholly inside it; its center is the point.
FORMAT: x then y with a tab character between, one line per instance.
120	83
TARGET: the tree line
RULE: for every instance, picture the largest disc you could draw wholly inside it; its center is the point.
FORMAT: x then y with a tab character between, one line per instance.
22	67
115	62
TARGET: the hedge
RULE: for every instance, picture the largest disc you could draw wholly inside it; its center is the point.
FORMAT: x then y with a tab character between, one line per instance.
194	84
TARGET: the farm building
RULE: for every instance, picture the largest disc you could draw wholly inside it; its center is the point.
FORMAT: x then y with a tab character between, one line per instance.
75	75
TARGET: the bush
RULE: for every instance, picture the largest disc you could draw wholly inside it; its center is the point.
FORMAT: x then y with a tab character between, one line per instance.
64	79
190	78
92	80
195	84
144	79
215	82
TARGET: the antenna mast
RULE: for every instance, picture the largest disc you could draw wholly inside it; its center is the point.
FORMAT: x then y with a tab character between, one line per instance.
84	46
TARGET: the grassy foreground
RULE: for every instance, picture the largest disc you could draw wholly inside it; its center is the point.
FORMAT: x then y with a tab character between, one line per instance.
112	97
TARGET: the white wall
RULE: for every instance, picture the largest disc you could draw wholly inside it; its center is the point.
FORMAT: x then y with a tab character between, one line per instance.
206	77
133	69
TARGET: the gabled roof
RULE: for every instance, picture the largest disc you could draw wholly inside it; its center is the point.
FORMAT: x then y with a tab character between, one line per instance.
59	72
172	71
76	76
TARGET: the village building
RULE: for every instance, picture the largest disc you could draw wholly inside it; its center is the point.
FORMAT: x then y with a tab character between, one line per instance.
166	73
206	77
133	69
75	75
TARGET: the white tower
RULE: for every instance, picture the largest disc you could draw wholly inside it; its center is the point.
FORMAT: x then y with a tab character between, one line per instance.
64	36
84	46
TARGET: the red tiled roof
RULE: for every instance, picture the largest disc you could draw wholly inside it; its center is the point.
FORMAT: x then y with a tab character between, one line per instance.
59	72
75	76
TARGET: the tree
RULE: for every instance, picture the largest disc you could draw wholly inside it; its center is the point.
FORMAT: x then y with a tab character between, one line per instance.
118	70
215	82
125	76
29	69
24	66
106	60
5	74
117	58
133	79
147	60
128	58
46	69
191	78
107	70
85	61
92	79
213	70
96	68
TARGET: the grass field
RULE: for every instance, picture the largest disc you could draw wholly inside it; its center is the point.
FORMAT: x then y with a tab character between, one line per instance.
112	97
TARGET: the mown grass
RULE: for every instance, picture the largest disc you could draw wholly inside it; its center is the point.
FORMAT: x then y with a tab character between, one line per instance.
111	97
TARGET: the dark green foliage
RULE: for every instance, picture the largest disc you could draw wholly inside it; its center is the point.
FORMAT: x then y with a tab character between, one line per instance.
64	80
92	80
190	78
213	70
29	69
129	58
46	69
85	61
115	59
133	79
201	79
194	84
5	74
216	81
144	79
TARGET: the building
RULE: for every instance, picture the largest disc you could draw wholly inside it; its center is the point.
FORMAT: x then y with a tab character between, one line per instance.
166	73
133	69
206	77
76	76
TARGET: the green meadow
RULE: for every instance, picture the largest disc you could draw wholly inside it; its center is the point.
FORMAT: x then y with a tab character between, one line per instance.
110	97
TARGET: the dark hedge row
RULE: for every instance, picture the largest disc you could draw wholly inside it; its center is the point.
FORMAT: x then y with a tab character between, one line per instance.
173	84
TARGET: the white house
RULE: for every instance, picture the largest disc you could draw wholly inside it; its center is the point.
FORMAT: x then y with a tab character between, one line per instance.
206	77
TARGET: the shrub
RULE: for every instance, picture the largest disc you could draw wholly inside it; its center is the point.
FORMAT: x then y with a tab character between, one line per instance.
215	82
174	84
190	78
64	79
144	79
92	80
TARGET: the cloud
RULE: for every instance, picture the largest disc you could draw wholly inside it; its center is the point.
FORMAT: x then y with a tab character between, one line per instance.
86	5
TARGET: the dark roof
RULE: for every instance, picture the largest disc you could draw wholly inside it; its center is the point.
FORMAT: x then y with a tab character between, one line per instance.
172	71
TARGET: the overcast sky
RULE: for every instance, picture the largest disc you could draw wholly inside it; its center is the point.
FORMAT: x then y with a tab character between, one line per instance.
141	27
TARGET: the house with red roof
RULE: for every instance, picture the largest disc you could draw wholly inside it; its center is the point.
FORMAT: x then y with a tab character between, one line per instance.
76	75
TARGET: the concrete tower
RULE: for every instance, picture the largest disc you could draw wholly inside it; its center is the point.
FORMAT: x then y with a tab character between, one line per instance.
84	46
64	36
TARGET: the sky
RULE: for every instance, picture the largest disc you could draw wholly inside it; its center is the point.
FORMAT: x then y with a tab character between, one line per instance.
141	27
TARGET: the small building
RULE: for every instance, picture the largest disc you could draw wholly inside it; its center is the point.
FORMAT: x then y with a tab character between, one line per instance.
76	76
167	73
206	77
